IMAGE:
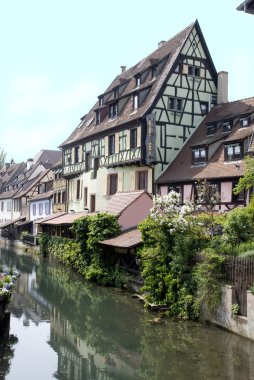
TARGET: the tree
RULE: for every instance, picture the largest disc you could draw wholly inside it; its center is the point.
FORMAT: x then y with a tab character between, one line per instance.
2	158
247	181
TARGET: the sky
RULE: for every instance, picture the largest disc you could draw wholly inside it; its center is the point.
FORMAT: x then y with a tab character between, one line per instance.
57	56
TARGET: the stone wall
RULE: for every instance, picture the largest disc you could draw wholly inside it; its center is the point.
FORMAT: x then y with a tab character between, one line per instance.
223	316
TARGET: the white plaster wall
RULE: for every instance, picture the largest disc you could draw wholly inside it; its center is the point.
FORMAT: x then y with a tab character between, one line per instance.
187	193
98	186
226	191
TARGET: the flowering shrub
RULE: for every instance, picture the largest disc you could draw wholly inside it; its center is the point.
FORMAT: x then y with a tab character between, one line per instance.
171	237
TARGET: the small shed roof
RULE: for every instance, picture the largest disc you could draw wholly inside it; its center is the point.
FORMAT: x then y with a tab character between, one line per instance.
121	200
65	219
128	239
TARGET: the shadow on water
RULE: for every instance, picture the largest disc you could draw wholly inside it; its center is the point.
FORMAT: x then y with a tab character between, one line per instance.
7	343
102	334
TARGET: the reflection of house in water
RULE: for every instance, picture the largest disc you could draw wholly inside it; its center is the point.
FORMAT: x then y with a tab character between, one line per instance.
77	359
28	302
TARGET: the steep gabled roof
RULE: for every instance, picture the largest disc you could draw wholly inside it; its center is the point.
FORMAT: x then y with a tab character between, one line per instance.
28	185
48	157
181	169
164	57
247	6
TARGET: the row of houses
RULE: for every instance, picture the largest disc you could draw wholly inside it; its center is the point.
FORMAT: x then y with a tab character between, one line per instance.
162	124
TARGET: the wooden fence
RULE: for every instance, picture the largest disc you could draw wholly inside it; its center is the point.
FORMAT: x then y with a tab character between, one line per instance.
240	273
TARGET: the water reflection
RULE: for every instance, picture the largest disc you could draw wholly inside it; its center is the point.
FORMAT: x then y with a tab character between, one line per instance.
89	332
7	343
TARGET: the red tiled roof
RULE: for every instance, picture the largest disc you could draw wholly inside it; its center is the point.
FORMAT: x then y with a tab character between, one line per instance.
126	240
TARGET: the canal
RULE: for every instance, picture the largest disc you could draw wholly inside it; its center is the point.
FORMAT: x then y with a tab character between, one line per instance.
61	327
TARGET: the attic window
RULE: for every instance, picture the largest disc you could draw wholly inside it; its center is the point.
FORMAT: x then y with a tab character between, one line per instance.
154	71
175	104
138	80
244	121
227	126
194	71
233	152
113	111
199	155
101	101
211	129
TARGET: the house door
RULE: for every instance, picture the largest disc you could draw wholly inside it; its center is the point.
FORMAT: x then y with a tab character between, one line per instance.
92	203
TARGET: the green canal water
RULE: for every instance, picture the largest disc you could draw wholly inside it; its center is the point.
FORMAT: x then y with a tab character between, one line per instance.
61	327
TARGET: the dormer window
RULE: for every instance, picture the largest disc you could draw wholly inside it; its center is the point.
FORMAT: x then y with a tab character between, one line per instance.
211	129
233	152
227	126
101	101
135	101
138	80
98	117
113	110
154	72
199	155
244	121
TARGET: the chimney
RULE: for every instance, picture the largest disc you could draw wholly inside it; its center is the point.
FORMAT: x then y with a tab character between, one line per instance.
222	96
161	43
123	68
29	163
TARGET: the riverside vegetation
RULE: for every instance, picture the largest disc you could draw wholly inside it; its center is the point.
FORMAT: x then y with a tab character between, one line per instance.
181	259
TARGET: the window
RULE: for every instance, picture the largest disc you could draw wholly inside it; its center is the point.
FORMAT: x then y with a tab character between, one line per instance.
40	208
199	156
59	197
112	183
135	101
204	108
142	180
2	206
133	138
194	71
76	155
47	208
96	166
34	209
63	196
175	104
122	142
87	161
111	144
78	189
244	121
227	126
85	196
233	151
97	117
101	101
154	71
54	198
9	206
211	129
112	110
67	157
138	80
92	203
237	197
177	189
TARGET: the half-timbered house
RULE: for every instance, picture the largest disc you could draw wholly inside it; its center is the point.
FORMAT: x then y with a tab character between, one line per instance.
214	153
141	121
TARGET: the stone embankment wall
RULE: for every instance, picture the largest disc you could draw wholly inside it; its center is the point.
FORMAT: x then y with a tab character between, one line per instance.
224	317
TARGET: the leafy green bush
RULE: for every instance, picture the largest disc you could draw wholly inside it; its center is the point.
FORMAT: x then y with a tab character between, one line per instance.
208	275
238	226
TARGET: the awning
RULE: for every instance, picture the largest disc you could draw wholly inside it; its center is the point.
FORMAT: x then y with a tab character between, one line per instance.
11	222
128	239
24	223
